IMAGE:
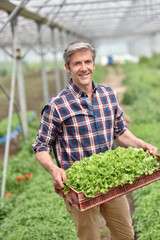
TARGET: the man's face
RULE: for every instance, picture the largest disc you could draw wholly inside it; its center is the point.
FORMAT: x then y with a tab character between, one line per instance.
81	68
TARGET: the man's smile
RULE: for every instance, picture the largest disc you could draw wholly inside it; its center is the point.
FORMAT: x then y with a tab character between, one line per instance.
84	74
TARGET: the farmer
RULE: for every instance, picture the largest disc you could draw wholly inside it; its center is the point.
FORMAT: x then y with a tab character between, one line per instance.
83	119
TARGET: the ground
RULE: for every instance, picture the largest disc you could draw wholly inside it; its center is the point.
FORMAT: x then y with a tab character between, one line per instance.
34	99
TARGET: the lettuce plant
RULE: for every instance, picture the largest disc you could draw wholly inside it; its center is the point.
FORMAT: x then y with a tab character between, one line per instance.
102	171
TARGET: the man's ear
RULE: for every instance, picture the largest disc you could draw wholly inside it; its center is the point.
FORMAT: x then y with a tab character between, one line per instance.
67	68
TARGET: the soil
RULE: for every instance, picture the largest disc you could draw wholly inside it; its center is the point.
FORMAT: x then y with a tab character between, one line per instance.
34	101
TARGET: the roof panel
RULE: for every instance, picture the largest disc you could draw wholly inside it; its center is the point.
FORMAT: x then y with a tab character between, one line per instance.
87	18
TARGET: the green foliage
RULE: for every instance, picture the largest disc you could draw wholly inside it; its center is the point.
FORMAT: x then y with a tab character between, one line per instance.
136	92
155	61
142	94
152	62
36	66
33	211
15	122
147	212
22	163
144	111
3	72
5	68
144	60
102	171
144	101
100	73
141	73
148	132
142	83
39	213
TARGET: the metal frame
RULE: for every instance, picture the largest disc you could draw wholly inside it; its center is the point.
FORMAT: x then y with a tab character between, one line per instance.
41	23
87	19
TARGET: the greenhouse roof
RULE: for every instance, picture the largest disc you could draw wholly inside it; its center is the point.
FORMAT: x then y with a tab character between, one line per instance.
44	25
89	19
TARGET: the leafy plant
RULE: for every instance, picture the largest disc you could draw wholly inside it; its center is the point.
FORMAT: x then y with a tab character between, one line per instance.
15	122
38	213
100	73
149	132
144	113
32	210
102	171
152	62
147	222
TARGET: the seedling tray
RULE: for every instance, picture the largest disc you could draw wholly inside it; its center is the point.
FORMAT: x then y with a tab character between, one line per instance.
82	203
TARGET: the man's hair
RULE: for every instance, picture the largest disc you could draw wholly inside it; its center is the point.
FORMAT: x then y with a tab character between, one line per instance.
75	46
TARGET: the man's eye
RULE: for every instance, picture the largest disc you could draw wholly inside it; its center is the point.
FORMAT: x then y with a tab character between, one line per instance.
77	63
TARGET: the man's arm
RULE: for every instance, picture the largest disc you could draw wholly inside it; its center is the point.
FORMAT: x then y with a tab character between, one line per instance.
58	174
128	139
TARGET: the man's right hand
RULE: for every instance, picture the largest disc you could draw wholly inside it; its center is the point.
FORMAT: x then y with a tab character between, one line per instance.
58	176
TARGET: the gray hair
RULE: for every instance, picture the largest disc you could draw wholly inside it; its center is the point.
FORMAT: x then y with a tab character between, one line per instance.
75	46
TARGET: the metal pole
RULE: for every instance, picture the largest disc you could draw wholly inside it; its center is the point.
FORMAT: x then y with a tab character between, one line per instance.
15	105
22	95
44	76
63	44
14	13
14	30
7	52
56	70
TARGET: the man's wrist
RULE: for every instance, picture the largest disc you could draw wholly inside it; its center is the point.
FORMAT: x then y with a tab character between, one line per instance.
142	144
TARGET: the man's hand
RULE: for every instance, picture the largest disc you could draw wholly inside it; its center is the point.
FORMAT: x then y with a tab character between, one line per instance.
152	149
58	176
128	139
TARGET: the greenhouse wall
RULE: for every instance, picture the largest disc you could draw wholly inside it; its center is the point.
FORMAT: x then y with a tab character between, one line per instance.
145	46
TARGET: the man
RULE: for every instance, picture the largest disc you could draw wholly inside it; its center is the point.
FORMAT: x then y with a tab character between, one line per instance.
83	119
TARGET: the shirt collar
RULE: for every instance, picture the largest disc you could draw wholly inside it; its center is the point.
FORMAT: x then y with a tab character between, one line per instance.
76	91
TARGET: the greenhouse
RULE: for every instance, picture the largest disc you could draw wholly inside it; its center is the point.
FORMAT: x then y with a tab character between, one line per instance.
33	37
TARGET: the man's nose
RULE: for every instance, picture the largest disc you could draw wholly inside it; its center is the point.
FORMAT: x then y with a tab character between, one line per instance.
83	67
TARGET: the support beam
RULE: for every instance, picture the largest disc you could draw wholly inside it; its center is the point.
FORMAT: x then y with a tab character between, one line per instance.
6	153
63	46
15	104
43	73
14	13
56	69
22	95
9	7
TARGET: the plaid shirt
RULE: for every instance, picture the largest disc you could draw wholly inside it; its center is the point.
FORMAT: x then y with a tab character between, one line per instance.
76	128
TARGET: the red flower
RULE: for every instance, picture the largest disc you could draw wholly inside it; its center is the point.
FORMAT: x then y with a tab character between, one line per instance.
20	179
8	194
28	175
